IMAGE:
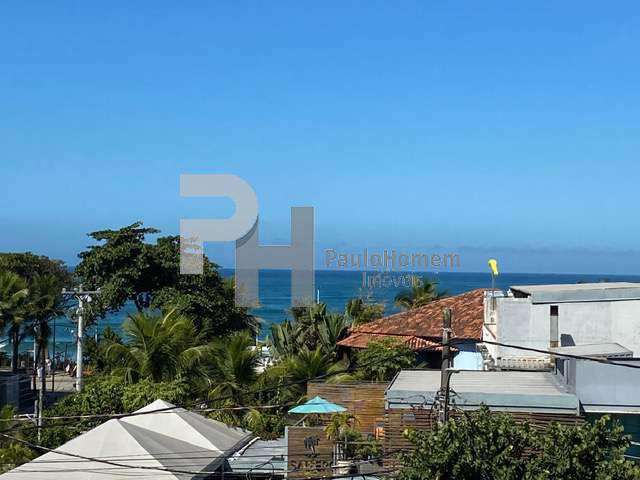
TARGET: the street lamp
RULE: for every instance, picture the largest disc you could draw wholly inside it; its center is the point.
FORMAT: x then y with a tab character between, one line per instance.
81	296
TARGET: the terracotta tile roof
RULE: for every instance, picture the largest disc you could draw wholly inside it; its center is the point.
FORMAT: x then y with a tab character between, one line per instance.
425	322
361	340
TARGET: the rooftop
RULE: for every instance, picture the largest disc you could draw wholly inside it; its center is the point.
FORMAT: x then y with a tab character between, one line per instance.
501	391
173	439
261	456
579	292
605	350
419	325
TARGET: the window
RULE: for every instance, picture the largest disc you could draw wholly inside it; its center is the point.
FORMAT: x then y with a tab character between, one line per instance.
553	326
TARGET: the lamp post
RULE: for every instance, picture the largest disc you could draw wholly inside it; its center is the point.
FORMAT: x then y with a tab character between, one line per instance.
81	296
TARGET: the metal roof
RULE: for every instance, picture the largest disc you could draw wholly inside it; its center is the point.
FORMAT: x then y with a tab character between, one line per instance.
606	350
579	292
261	456
500	391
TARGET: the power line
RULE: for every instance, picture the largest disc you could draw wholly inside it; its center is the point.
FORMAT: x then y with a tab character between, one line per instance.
141	467
557	354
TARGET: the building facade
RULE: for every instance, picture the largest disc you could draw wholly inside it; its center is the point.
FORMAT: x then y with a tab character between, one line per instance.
544	317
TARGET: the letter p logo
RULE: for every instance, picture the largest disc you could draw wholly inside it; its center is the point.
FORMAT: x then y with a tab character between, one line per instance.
243	228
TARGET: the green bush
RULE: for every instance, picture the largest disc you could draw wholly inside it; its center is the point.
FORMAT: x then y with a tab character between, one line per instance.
488	446
381	360
102	396
144	392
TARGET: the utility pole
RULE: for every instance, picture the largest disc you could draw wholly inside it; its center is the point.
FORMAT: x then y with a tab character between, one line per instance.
54	360
445	373
81	296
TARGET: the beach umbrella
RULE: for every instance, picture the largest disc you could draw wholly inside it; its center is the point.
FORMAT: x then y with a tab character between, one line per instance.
318	405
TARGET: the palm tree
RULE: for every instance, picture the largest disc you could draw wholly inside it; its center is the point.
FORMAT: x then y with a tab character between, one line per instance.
341	429
422	292
232	367
307	365
45	302
13	293
239	317
361	311
331	329
312	327
285	338
158	347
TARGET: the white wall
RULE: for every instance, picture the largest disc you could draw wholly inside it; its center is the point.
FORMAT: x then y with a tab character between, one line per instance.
520	322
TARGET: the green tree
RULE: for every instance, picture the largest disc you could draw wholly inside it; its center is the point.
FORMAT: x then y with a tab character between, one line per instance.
585	452
493	446
381	360
13	294
95	350
138	395
158	347
359	311
285	338
12	453
128	268
307	364
27	265
341	430
103	396
421	293
477	446
331	329
44	303
312	326
267	426
231	367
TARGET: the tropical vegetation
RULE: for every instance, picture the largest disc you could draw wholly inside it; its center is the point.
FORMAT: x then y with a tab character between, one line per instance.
482	445
187	343
422	292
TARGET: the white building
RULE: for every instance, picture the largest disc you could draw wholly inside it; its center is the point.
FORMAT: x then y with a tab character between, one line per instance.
549	316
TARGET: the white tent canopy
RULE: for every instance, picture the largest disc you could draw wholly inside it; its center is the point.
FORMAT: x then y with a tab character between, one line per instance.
175	439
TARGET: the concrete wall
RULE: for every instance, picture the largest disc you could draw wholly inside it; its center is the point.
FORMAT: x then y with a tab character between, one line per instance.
520	322
601	387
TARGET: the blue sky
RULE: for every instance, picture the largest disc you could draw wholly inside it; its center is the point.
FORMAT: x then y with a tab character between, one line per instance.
489	130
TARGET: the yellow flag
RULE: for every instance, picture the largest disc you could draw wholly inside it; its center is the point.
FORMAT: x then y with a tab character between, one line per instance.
493	265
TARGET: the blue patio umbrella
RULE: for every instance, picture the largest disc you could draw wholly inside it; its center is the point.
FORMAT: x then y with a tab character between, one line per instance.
318	405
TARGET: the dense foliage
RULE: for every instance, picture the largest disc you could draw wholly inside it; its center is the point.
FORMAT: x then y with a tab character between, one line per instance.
127	268
381	360
104	396
481	445
12	453
27	265
157	347
422	292
189	345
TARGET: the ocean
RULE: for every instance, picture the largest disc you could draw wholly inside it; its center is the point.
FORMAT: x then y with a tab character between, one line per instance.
335	289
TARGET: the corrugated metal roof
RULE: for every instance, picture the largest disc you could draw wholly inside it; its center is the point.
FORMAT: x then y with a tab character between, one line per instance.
262	456
502	391
579	292
607	350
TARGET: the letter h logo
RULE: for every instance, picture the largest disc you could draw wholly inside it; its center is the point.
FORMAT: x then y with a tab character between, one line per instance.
242	228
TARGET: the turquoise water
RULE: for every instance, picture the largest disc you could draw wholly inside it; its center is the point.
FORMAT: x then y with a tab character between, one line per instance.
336	288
